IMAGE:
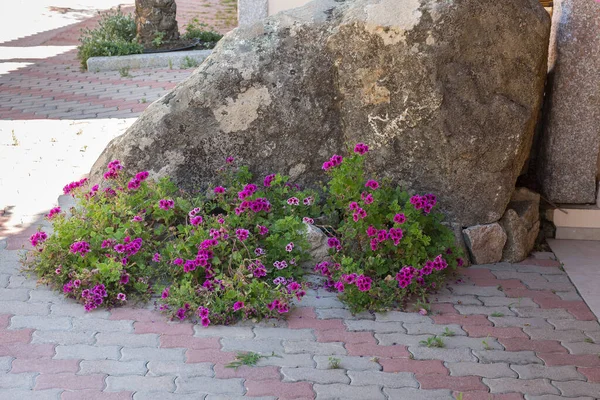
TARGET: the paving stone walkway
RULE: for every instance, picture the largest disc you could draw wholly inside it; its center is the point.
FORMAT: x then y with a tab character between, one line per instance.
34	86
520	332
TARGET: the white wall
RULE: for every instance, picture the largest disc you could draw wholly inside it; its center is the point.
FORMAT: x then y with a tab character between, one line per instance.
279	5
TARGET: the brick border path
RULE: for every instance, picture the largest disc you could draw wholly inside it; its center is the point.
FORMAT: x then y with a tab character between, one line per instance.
521	332
55	88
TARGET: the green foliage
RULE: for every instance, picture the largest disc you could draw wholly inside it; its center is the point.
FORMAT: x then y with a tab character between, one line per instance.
124	72
204	33
158	39
448	333
334	363
189	62
389	249
249	359
433	341
497	314
114	36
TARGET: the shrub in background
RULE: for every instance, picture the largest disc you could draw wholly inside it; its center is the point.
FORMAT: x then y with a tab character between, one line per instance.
204	33
114	36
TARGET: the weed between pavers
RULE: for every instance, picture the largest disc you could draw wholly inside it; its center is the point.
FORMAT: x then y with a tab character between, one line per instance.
433	341
249	359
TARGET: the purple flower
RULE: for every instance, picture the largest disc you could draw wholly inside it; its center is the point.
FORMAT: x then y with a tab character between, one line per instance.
81	248
371	231
74	185
336	160
141	176
399	218
289	247
353	205
327	165
361	148
124	279
165	293
38	238
121	297
307	220
293	201
339	286
203	312
382	235
120	248
197	220
205	322
134	184
241	234
238	305
262	230
166	204
58	271
460	262
137	218
367	198
181	313
258	251
229	160
53	212
156	257
307	201
333	242
268	180
219	190
280	280
293	286
396	234
371	184
363	283
178	261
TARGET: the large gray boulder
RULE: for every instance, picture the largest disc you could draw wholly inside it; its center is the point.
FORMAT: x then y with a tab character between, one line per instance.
447	93
570	145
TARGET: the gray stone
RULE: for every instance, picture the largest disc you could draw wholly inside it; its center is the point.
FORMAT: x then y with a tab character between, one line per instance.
496	370
528	386
288	360
152	16
385	379
288	92
307	346
152	354
339	391
353	363
485	243
562	373
171	368
519	240
206	385
262	346
510	357
575	388
143	61
86	352
418	394
317	240
64	337
137	383
252	11
571	140
5	364
446	355
112	367
314	375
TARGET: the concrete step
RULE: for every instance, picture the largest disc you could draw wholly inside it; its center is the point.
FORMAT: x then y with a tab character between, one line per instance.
577	222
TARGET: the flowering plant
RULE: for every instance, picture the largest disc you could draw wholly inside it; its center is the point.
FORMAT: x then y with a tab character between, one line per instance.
389	245
230	253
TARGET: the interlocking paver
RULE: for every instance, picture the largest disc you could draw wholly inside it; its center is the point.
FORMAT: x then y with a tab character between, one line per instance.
533	371
528	386
495	370
159	368
102	325
432	329
349	362
137	383
510	357
69	381
305	346
126	340
201	384
398	316
571	335
414	394
152	354
587	326
5	364
17	381
40	322
284	334
263	346
449	355
328	376
63	337
574	388
113	367
375	326
236	332
88	352
384	379
339	391
44	366
507	322
49	394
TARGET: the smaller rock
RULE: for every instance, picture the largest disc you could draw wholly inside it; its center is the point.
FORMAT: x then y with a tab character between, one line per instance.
598	194
317	240
485	243
521	222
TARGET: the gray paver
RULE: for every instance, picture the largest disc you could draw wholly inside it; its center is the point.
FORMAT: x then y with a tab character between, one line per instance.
49	394
40	322
493	301
323	302
510	357
137	383
563	324
68	309
168	396
22	310
466	300
582	348
339	391
398	316
127	340
224	332
63	337
416	394
553	397
336	313
452	342
112	367
562	373
574	388
103	325
496	370
158	368
305	346
571	335
375	326
284	333
263	346
476	310
530	312
507	322
433	329
385	379
14	294
328	376
17	381
288	360
462	290
354	363
152	354
449	355
87	352
530	386
206	385
5	364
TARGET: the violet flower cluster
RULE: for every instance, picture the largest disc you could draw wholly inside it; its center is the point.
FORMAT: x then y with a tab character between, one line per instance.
68	189
38	238
425	203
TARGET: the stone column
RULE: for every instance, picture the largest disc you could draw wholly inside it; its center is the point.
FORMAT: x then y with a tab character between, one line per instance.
252	11
154	16
571	141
